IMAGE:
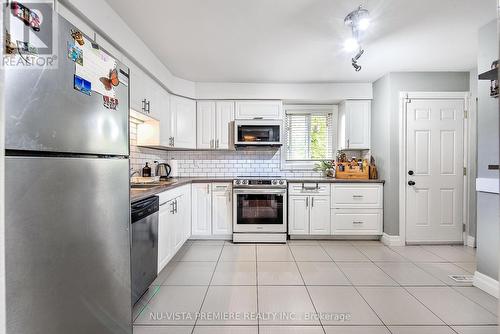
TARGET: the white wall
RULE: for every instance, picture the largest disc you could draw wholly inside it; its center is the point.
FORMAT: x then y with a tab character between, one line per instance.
388	134
380	137
103	19
98	16
317	93
2	198
488	225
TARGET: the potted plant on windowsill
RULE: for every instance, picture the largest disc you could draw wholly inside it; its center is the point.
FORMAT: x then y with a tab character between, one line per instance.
327	167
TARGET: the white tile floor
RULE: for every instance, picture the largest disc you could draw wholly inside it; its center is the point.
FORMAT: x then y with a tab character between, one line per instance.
314	287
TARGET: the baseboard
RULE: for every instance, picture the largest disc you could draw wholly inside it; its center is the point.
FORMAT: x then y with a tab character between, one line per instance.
487	284
471	241
392	240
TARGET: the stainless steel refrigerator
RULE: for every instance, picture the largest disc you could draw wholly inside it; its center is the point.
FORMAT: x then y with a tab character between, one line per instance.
67	203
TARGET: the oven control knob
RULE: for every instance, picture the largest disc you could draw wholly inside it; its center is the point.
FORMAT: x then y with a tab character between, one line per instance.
282	182
237	181
275	182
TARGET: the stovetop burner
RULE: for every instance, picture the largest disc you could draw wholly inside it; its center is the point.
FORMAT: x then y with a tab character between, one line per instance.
259	182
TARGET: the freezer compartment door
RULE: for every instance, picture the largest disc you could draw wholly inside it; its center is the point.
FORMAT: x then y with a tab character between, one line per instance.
45	113
67	246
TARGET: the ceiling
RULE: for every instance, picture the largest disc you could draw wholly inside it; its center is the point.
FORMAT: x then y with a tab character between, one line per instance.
300	41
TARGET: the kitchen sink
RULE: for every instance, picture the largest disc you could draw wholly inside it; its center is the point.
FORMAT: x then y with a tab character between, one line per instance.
144	185
149	185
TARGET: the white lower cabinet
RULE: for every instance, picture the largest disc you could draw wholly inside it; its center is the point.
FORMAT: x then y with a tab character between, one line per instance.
211	210
357	208
222	208
319	215
174	223
336	209
357	221
308	214
298	215
201	209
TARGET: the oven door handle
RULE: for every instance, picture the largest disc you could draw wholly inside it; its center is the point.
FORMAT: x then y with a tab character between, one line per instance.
259	191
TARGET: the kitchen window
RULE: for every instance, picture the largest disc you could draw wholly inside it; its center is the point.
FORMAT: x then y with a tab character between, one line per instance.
310	136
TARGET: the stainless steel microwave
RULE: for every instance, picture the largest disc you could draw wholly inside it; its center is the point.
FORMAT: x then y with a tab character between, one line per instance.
258	133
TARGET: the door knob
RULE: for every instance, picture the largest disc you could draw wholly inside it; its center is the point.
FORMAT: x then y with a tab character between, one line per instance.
411	183
410	172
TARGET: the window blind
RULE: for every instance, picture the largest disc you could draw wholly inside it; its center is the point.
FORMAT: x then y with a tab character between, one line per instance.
309	136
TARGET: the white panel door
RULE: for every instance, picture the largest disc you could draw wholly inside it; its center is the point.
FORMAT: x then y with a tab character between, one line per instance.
205	124
183	121
224	119
201	209
298	215
434	179
222	213
320	215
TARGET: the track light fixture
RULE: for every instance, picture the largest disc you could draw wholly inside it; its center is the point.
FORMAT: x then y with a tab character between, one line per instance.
358	20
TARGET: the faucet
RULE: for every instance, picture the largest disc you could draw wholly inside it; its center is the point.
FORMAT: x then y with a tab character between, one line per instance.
133	172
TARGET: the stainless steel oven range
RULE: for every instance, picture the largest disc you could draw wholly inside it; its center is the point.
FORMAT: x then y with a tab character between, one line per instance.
260	210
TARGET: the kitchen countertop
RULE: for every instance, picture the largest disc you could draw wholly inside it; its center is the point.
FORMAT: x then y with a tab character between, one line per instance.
136	194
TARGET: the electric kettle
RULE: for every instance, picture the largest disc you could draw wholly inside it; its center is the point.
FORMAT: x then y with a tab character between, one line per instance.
163	170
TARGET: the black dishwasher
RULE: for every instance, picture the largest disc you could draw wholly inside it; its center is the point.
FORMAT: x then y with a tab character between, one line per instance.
144	259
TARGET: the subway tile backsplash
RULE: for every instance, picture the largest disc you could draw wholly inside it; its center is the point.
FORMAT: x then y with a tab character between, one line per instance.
214	163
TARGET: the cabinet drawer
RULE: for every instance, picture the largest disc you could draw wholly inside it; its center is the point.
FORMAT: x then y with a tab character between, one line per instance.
356	222
357	196
317	189
221	187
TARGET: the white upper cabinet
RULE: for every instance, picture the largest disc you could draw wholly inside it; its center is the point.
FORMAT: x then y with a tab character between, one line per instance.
144	93
183	122
259	110
354	124
214	124
205	113
165	117
224	117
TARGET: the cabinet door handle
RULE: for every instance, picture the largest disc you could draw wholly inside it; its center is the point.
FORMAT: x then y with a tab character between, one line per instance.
143	107
357	223
348	142
208	188
307	202
217	143
312	202
357	196
173	141
211	143
175	206
172	211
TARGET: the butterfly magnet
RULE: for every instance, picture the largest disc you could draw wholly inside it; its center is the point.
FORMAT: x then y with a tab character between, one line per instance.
111	80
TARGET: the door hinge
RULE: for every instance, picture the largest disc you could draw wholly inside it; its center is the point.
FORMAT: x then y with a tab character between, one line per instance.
465	171
408	100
